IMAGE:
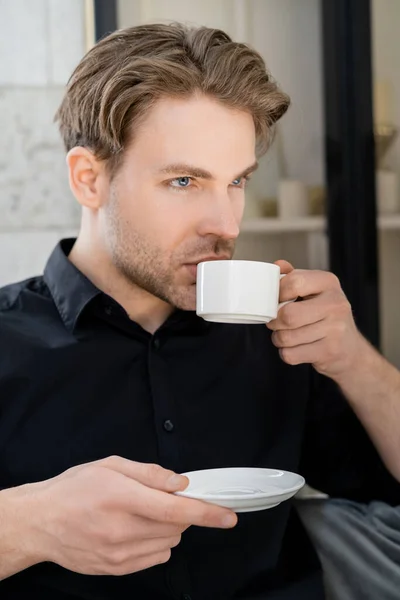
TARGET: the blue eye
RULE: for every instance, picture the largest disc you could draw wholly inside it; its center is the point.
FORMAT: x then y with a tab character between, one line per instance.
181	182
240	182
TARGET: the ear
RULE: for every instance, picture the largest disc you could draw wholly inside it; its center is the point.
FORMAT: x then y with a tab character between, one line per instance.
85	177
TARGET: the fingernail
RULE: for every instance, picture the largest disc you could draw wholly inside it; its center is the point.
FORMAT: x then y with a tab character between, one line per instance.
177	482
229	521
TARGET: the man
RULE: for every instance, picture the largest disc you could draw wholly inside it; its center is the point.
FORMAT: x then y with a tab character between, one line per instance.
110	385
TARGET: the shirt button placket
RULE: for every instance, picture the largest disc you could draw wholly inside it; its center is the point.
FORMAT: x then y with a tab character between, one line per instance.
163	403
168	425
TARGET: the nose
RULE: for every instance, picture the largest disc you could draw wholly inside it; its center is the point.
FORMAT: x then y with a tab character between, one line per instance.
221	218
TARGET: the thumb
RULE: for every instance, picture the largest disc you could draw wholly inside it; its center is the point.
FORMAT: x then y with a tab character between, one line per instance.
284	266
148	474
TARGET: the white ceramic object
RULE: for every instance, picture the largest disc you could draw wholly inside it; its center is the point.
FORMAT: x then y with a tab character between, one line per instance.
242	489
292	199
238	291
387	186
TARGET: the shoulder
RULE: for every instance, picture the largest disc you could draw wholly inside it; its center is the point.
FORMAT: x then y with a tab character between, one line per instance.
10	294
15	297
23	303
28	316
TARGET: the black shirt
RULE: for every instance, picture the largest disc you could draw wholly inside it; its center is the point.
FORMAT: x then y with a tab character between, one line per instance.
80	381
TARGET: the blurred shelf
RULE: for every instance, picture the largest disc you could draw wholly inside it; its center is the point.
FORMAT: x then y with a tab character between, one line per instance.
275	225
306	224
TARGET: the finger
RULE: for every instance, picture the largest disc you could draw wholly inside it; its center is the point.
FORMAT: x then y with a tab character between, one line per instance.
300	314
306	353
150	475
155	546
154	559
284	266
331	304
134	565
290	338
302	283
123	553
168	508
156	529
128	529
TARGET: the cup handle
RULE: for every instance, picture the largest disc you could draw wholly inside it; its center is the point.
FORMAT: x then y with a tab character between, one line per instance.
287	301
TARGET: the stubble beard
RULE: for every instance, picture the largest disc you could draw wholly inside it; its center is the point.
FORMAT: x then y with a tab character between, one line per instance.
144	265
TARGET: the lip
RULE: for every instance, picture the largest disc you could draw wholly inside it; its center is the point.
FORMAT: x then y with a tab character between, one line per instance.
208	259
192	267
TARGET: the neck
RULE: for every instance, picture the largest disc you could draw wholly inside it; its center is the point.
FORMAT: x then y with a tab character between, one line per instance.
92	260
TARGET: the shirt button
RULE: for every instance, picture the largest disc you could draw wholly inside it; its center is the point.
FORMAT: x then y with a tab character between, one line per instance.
156	343
108	310
168	425
186	597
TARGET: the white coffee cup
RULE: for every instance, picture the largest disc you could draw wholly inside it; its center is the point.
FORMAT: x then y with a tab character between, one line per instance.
238	291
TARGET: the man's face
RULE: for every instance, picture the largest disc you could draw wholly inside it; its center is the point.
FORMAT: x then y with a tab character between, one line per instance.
178	198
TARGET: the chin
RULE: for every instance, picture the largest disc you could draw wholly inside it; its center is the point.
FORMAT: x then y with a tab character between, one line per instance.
185	299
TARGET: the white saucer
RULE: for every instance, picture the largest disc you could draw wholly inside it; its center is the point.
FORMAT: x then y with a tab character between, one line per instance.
242	489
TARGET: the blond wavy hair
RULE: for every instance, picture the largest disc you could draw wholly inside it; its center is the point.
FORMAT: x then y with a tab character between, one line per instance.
126	73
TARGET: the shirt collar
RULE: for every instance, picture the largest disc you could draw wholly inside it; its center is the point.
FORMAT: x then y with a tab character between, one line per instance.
70	289
72	292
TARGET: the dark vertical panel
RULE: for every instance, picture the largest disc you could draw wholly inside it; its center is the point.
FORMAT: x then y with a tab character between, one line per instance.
105	17
350	156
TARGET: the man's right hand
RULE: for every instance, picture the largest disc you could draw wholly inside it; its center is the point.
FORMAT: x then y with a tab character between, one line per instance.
111	517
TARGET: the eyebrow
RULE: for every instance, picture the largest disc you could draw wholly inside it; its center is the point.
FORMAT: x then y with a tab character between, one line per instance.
199	173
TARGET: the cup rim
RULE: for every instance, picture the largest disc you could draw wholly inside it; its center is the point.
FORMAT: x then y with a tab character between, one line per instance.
239	260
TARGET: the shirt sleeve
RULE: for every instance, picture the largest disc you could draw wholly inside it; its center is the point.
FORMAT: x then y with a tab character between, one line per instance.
338	457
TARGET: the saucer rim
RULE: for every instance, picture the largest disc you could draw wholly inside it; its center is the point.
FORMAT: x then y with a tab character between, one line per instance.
262	495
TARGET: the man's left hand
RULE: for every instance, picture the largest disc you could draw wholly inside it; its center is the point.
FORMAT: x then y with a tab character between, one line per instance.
319	329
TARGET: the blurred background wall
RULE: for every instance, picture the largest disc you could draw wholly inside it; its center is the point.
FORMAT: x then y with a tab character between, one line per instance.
40	43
